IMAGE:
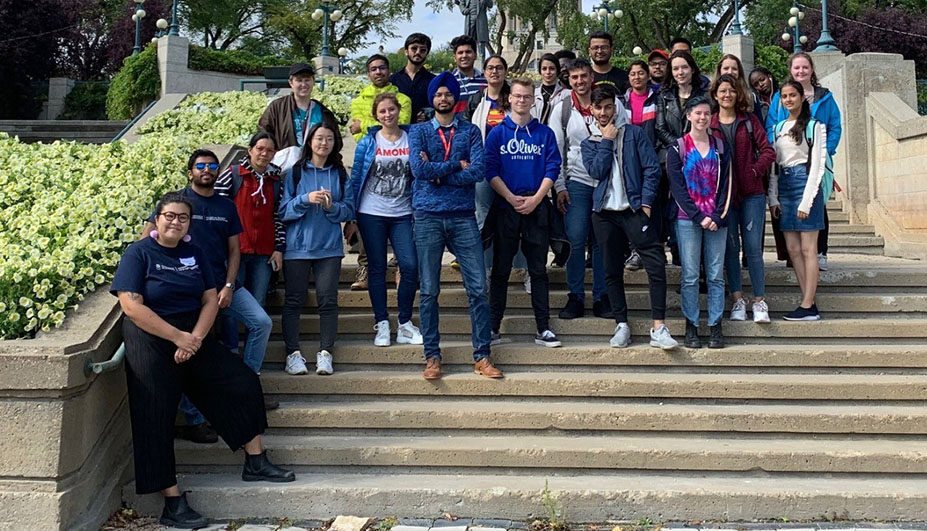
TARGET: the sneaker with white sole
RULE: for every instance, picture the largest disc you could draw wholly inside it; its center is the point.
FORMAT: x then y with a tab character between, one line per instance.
296	364
409	334
739	310
383	332
495	339
822	262
622	336
527	283
547	339
661	338
323	363
760	312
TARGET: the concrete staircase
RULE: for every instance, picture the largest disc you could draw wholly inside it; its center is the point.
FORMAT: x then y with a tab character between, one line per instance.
844	236
47	131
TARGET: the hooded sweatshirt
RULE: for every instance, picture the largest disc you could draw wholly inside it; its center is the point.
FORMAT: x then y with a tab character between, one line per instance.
579	127
522	156
311	231
362	107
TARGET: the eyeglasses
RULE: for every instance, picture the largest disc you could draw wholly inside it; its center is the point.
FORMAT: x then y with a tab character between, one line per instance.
657	63
213	166
599	48
495	68
378	68
171	216
522	97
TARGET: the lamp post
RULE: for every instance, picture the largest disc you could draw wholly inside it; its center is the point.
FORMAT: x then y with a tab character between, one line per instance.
326	11
797	15
825	41
607	10
342	59
735	27
137	15
175	27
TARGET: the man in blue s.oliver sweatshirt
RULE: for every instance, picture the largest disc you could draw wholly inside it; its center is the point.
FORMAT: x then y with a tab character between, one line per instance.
522	163
446	155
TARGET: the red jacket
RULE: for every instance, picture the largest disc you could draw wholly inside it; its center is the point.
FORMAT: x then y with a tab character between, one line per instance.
749	170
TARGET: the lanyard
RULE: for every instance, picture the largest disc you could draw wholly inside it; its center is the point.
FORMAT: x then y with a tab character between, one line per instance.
446	142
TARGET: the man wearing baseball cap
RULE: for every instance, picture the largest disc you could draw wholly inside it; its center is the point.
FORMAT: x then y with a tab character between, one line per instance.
657	63
290	117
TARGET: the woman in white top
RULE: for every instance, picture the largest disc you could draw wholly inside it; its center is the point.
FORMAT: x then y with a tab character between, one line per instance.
795	192
381	179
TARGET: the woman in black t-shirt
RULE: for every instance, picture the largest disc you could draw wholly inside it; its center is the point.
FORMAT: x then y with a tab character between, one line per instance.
168	295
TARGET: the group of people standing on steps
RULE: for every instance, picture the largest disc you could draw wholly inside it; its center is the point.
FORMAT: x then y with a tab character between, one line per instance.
602	167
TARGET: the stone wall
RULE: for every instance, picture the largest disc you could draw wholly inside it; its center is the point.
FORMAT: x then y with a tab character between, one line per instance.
177	77
65	443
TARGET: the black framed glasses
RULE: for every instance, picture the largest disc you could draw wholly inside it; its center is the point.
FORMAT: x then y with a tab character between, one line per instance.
171	216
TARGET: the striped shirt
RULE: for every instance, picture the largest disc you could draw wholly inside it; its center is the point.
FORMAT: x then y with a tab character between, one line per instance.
468	87
223	187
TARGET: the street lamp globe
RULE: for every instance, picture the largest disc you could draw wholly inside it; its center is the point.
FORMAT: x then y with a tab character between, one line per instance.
794	11
140	13
336	15
154	39
317	14
793	21
619	13
343	52
161	24
803	39
603	12
801	15
786	37
637	50
134	18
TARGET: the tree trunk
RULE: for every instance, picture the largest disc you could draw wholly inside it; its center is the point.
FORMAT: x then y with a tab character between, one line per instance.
500	32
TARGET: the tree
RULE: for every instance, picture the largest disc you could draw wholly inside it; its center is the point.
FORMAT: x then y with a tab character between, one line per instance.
221	24
28	45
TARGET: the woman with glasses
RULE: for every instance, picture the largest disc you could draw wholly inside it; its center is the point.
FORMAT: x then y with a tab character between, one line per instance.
167	291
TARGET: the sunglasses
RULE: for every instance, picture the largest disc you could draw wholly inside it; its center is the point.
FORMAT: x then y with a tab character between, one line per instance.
203	165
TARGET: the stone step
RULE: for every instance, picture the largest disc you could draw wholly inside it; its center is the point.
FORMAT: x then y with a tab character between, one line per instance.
584	497
842	241
58	125
649	451
834	215
855	230
604	415
583	353
638	298
454	321
461	381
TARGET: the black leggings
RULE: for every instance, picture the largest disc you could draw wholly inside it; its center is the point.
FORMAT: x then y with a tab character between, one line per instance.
217	382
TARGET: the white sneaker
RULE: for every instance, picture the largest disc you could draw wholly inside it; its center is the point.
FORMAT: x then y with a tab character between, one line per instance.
661	338
622	337
383	332
323	363
822	262
760	312
527	283
409	334
547	339
296	364
739	310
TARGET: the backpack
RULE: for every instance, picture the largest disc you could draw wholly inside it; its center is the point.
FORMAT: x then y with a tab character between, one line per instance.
566	110
827	181
681	146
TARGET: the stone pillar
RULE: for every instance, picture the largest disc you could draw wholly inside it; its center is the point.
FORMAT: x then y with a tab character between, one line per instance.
173	53
325	65
58	90
742	47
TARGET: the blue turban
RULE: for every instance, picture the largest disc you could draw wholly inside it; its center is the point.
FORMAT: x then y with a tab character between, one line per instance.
444	79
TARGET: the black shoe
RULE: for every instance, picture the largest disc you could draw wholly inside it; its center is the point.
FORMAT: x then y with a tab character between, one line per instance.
803	314
574	308
270	405
258	468
633	263
178	513
198	433
692	340
603	308
717	337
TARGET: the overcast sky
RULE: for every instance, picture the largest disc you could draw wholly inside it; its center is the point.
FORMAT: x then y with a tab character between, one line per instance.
441	27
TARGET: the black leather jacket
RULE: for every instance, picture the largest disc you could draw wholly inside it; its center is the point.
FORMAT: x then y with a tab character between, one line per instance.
671	116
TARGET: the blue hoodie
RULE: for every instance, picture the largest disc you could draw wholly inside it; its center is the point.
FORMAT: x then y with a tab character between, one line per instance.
824	109
311	231
522	162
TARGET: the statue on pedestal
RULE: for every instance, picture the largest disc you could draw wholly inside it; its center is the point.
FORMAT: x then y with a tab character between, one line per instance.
476	23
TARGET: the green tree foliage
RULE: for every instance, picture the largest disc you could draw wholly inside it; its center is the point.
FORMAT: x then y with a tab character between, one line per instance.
87	101
136	84
25	59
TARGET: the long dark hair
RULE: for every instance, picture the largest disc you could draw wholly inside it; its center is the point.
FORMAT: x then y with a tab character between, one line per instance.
742	102
503	101
669	81
797	132
741	78
334	158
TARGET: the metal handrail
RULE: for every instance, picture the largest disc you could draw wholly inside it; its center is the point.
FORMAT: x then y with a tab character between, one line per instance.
133	122
260	81
108	365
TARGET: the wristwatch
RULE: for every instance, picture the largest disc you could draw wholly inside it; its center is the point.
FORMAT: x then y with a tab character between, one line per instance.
230	286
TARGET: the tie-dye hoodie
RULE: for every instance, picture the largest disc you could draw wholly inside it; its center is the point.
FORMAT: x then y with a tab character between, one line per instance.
701	186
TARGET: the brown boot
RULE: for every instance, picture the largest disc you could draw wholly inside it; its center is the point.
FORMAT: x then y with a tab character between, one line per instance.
432	369
486	368
360	280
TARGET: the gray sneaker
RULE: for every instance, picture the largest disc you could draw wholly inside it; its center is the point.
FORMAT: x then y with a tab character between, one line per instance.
622	337
495	339
661	338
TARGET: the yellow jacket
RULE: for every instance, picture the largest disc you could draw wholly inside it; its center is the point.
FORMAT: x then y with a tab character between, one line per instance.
362	107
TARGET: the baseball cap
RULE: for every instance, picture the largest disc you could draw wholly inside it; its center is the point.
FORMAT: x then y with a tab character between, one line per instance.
300	68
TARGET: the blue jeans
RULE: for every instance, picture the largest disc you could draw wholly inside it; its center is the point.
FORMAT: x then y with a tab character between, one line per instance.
245	309
747	219
462	238
578	220
254	274
694	243
375	230
485	197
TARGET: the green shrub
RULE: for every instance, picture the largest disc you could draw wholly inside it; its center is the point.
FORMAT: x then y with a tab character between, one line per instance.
135	85
707	61
774	59
231	61
922	97
87	101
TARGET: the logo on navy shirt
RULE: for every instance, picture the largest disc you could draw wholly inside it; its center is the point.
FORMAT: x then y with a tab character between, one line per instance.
189	262
520	147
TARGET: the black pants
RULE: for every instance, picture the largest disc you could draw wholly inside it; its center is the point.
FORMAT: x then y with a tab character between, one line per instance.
823	234
616	232
532	233
327	272
217	382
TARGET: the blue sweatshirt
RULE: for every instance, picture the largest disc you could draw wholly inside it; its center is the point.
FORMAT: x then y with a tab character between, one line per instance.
311	231
522	156
824	109
441	188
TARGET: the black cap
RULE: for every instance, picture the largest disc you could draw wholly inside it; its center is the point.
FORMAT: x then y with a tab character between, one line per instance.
299	68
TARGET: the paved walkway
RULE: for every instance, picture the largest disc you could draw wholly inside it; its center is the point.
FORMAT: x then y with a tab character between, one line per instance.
504	525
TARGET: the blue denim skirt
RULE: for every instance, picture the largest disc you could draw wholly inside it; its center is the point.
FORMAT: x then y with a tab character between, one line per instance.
791	187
